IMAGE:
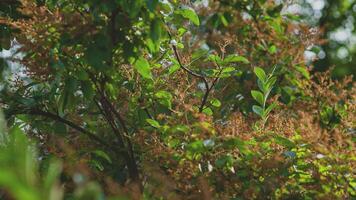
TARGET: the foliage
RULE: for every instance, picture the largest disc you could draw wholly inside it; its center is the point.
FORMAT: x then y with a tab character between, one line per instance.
265	84
157	100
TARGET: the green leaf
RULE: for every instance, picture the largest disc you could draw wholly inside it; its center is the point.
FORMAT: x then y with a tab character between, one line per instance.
272	49
260	73
103	155
98	165
173	69
152	46
190	14
270	82
215	103
153	123
258	110
181	31
258	96
270	108
227	72
215	58
304	72
180	128
208	111
261	85
223	20
180	45
196	146
236	58
143	68
164	98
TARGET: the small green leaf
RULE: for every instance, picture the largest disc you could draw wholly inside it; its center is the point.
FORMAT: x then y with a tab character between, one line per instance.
258	110
228	70
103	155
215	103
214	58
236	58
260	73
153	123
304	72
270	108
180	45
258	96
164	98
270	82
152	46
181	31
261	86
190	14
272	49
180	128
97	164
223	20
208	111
173	69
143	68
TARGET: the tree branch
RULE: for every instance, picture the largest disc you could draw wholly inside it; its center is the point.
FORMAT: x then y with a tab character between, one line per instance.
67	122
111	115
200	76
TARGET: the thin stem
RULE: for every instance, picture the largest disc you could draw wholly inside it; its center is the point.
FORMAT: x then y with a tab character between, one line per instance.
207	92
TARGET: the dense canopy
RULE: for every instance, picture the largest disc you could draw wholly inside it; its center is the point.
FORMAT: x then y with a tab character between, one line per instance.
168	99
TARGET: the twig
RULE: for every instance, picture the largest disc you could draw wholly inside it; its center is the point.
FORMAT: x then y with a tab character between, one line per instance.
200	76
207	92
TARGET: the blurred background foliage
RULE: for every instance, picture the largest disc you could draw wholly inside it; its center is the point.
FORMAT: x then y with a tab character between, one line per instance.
337	19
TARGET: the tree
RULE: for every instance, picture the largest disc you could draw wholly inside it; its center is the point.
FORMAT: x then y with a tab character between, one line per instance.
135	94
